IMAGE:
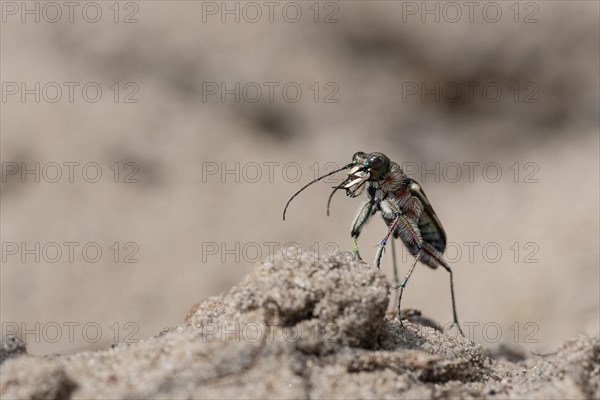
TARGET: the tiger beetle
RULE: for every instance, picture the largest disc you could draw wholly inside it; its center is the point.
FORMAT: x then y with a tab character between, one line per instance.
405	209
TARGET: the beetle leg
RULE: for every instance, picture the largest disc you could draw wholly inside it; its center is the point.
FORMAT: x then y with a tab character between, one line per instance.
402	284
394	261
401	225
381	247
361	219
433	253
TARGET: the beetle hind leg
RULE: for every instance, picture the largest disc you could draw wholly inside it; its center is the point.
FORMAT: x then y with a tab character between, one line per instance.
434	258
402	285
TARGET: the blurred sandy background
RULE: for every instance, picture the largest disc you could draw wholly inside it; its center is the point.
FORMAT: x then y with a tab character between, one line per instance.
366	61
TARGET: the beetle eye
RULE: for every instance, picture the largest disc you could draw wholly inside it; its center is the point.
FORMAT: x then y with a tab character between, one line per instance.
357	155
375	162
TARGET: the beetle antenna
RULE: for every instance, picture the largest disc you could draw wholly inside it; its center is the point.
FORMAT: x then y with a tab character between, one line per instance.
335	189
313	181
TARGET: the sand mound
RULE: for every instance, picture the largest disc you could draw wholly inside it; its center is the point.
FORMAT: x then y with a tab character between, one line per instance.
302	329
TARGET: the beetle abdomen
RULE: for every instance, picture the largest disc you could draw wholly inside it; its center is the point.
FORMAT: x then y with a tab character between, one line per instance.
430	233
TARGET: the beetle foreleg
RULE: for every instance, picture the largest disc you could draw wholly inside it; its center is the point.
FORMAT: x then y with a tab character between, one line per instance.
362	217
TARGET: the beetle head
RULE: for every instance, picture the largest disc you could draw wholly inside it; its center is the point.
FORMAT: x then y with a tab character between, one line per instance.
365	167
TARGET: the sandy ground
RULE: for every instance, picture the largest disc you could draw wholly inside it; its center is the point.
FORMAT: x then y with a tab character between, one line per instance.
307	329
195	231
